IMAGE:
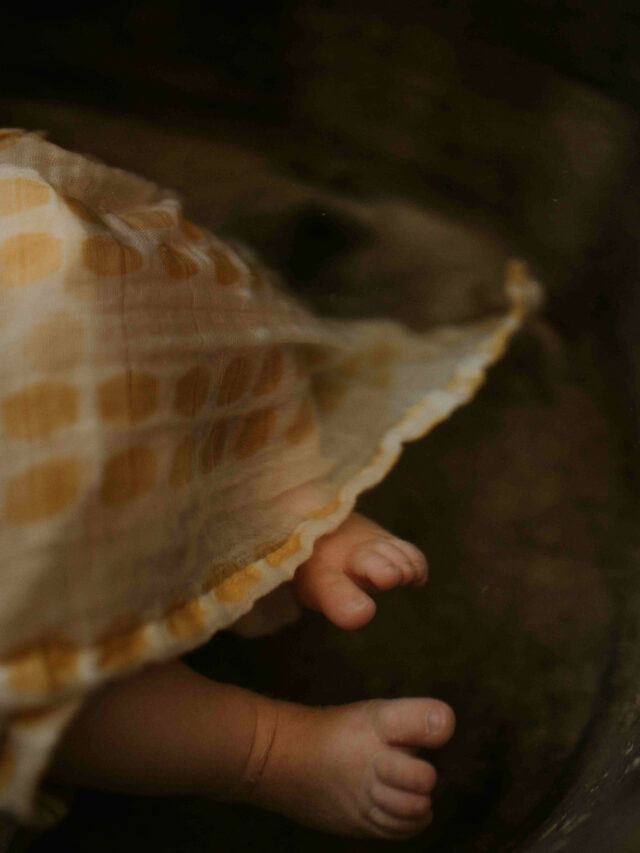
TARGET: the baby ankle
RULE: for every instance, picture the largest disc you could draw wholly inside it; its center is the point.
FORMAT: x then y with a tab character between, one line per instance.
266	723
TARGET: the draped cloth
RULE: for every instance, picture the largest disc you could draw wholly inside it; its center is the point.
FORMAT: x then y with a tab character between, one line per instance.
176	432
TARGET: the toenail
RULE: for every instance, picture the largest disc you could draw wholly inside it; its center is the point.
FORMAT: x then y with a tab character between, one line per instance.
357	603
434	721
392	569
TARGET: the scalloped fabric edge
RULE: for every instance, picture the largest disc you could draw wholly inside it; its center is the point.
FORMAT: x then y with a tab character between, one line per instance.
32	733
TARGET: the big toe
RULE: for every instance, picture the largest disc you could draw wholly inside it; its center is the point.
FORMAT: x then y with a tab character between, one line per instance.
414	723
342	602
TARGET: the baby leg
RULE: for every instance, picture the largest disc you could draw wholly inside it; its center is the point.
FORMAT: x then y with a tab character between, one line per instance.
348	770
356	559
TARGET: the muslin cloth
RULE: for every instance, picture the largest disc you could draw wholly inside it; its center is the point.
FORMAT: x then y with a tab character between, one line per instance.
176	432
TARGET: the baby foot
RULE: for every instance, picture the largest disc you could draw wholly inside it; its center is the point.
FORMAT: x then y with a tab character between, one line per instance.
349	770
357	559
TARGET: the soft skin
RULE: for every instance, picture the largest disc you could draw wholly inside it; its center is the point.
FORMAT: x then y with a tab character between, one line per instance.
351	770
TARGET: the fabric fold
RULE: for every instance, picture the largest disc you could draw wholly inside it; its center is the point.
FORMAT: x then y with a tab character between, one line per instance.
177	431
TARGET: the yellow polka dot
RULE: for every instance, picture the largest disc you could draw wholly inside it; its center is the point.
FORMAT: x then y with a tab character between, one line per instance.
268	547
177	263
221	571
142	220
81	211
303	424
182	463
213	448
465	384
43	490
327	509
235	380
7	764
254	433
28	672
191	231
270	373
419	407
130	397
226	271
128	475
236	587
498	346
188	620
290	547
191	391
18	194
328	392
62	659
44	668
122	649
40	410
107	256
56	344
26	258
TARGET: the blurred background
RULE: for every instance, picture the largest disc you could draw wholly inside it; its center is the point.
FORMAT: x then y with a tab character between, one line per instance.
386	158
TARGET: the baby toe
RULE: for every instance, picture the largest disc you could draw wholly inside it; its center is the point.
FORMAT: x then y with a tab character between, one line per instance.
396	550
343	603
394	827
387	549
370	566
403	804
413	723
399	770
416	558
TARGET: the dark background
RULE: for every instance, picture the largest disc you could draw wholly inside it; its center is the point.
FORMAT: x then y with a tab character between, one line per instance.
522	118
221	53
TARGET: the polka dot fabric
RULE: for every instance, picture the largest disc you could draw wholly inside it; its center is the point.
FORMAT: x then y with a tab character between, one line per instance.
175	432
